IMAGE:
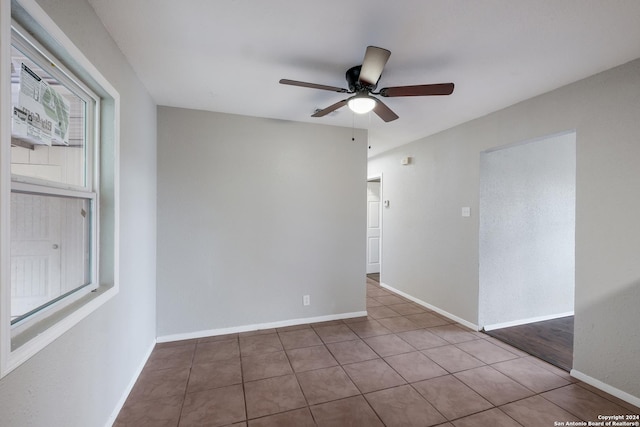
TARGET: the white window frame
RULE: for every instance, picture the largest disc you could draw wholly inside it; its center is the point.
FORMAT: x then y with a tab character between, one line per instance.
19	343
88	191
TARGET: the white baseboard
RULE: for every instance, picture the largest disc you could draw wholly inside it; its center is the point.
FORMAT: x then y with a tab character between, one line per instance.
525	321
259	326
432	307
634	400
123	399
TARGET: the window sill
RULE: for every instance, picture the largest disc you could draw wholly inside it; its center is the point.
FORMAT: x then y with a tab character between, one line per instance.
39	335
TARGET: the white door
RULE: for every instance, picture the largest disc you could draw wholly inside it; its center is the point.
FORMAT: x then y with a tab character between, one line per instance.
35	253
373	227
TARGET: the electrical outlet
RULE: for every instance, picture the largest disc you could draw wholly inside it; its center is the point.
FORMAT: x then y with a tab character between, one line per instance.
306	300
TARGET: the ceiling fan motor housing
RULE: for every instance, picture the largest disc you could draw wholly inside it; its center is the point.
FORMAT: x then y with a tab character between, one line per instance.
355	85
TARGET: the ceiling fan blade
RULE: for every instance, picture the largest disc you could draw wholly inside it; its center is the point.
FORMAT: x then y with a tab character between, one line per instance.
384	112
312	85
373	63
329	109
418	90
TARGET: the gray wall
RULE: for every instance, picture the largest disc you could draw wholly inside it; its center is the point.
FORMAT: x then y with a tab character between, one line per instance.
252	215
527	231
431	252
79	379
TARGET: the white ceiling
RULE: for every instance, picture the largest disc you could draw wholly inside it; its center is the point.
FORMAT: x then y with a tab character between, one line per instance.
228	55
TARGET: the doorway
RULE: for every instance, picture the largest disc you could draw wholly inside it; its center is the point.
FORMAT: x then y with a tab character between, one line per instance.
527	234
374	228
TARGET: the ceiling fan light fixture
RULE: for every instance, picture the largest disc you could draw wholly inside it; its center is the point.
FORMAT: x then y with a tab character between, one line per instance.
363	79
361	104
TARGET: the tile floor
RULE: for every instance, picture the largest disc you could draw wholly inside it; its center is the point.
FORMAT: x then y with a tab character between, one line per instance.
403	365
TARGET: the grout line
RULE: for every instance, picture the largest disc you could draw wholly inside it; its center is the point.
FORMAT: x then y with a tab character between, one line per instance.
186	386
244	391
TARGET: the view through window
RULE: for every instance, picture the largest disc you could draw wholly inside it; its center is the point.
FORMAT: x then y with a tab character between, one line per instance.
52	196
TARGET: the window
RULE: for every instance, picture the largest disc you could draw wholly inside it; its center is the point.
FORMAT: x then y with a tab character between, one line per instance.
58	184
53	199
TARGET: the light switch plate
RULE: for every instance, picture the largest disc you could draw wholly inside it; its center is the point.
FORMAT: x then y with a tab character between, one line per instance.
466	211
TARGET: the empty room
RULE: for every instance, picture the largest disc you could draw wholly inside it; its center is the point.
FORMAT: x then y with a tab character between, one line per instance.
361	213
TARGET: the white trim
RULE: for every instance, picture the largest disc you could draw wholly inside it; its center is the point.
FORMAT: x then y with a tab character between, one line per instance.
258	326
5	181
23	187
525	321
49	311
40	16
432	308
30	348
120	404
635	401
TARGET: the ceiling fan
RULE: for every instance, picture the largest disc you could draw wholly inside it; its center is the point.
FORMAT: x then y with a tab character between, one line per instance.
363	79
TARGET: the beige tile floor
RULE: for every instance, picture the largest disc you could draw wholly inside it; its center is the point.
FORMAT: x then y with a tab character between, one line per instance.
403	365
